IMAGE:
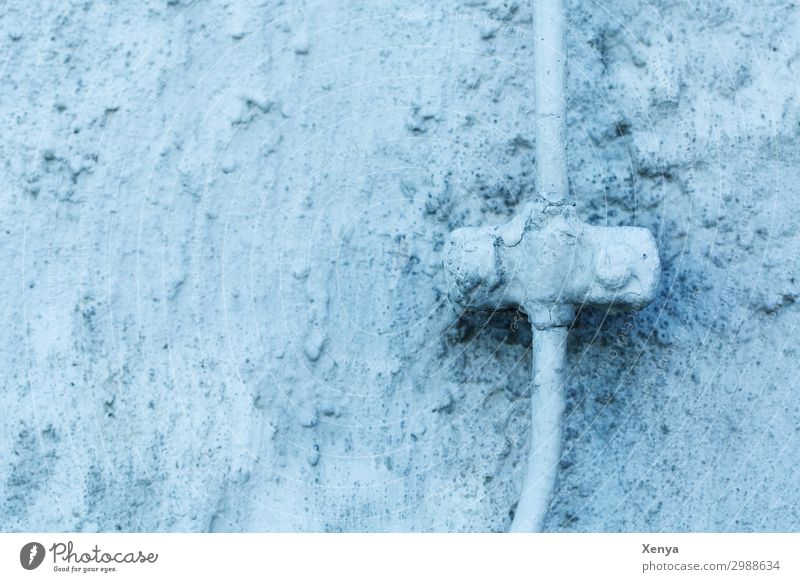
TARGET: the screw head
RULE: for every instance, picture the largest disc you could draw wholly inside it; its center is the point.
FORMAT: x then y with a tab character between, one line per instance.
612	265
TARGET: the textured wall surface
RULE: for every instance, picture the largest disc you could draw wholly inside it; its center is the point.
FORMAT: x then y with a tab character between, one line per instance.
221	227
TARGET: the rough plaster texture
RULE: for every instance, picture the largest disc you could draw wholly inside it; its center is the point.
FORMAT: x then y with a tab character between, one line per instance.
222	293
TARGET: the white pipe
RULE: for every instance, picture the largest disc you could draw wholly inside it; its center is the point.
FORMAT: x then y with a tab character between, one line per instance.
550	343
527	263
547	409
550	94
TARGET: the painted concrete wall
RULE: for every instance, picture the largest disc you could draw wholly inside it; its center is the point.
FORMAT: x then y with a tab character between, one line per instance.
224	307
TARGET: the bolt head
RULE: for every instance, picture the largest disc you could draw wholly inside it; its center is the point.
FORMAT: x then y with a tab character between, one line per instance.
612	265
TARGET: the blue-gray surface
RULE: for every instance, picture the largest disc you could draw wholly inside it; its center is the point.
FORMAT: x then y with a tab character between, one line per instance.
222	292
